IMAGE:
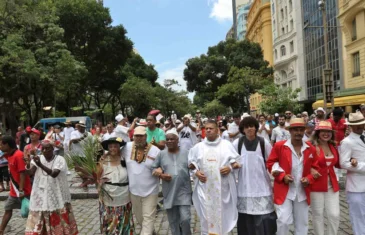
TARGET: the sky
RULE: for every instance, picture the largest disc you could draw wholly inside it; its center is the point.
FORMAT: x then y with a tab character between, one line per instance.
166	33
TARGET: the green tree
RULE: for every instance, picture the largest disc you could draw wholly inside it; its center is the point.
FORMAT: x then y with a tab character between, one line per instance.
214	108
277	100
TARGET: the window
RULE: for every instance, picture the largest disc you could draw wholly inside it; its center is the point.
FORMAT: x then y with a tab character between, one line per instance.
283	75
282	13
283	50
291	25
291	46
282	30
290	5
354	32
356	64
286	11
287	29
276	54
273	8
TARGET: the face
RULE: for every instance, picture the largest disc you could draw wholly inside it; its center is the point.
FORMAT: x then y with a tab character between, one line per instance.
269	118
337	118
325	135
4	147
281	121
237	120
151	122
140	140
309	130
34	136
262	119
47	150
211	131
114	149
297	133
81	129
57	130
186	120
320	114
109	128
288	114
172	141
97	130
250	131
19	128
358	129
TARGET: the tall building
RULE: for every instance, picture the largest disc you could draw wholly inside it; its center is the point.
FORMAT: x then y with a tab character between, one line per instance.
314	48
242	20
288	45
259	30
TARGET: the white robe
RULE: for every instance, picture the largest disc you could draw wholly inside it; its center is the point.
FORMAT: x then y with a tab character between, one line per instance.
216	200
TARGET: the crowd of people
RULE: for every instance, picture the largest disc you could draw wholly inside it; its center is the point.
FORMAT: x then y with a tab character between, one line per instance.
261	174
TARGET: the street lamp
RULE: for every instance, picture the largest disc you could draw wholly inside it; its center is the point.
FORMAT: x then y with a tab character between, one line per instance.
327	80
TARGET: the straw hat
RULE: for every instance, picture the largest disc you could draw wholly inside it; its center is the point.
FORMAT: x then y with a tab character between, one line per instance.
324	125
141	130
297	122
355	119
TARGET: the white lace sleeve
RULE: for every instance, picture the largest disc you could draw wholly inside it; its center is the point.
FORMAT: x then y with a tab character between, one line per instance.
60	164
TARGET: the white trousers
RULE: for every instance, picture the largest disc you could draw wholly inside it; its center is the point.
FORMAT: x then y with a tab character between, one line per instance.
144	208
329	202
356	203
289	212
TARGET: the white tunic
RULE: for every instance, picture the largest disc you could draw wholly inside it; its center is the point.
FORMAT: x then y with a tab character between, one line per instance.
48	193
216	200
119	194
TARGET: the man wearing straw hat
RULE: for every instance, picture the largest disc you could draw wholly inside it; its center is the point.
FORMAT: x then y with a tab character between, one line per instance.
290	162
352	159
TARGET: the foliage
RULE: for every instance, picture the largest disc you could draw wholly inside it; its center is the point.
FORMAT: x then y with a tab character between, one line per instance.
277	100
214	108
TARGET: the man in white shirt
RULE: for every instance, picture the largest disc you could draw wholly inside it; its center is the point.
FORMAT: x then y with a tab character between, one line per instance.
143	186
280	132
78	138
121	130
264	129
352	159
233	128
187	133
110	132
67	130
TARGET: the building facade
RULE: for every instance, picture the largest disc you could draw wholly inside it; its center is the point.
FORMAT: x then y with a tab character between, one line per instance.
242	14
288	45
259	30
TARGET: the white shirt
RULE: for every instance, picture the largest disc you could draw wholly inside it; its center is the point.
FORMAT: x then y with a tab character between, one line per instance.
122	132
77	147
187	137
264	133
141	181
108	135
295	188
279	133
225	136
233	128
48	193
67	132
353	147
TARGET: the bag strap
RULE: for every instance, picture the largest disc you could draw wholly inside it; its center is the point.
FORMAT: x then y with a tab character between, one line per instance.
262	146
240	143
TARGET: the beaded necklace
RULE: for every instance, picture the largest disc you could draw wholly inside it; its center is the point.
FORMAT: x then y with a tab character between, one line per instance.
138	158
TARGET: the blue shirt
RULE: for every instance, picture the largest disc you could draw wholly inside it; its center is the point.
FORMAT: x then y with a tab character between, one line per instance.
3	160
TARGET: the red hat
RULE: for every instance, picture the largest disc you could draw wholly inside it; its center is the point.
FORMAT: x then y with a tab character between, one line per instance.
28	129
35	131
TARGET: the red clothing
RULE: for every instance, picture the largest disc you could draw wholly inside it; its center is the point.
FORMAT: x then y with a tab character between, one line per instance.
17	166
340	129
283	155
203	132
321	184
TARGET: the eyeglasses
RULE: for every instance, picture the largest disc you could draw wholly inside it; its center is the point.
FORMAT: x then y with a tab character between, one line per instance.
288	113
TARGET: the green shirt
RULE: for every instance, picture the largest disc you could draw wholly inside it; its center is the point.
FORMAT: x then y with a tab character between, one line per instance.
158	134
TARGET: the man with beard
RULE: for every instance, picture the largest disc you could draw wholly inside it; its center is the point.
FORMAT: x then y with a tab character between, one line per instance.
338	125
215	193
288	116
290	162
143	186
280	132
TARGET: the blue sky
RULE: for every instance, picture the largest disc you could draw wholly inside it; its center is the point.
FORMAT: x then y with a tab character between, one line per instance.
168	32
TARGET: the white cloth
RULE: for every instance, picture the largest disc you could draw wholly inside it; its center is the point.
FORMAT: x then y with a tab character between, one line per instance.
67	132
289	212
225	136
141	181
264	133
329	202
187	137
295	188
216	200
356	203
120	194
48	193
305	137
122	132
108	135
78	147
233	128
353	147
279	134
254	188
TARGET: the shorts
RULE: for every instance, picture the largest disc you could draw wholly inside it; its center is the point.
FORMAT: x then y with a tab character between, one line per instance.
12	203
4	173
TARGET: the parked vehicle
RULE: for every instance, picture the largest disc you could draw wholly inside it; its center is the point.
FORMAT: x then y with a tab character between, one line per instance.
45	123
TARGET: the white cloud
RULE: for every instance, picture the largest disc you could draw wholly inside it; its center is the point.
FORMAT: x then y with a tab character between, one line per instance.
221	10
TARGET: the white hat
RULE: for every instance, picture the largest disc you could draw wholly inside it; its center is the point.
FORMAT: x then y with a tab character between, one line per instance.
119	118
276	115
172	131
319	109
167	122
355	119
82	123
177	121
187	116
245	115
205	119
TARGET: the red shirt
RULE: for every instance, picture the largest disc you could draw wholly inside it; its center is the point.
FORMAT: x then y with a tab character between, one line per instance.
340	129
17	166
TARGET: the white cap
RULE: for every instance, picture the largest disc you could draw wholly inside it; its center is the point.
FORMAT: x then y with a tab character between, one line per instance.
172	131
276	115
119	118
245	115
320	109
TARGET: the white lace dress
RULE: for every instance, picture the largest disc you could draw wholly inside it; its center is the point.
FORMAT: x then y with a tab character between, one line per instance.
48	193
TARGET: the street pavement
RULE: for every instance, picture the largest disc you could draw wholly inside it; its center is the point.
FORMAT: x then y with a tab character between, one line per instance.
87	217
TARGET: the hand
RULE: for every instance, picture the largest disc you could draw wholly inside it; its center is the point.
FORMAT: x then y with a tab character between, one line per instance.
192	166
315	173
37	160
135	120
275	173
304	181
21	194
165	177
288	179
353	162
236	165
225	170
157	172
201	176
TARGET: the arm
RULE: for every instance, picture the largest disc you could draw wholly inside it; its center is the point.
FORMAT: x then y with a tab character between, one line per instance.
346	156
133	125
274	158
160	145
268	129
53	173
193	128
273	137
179	128
22	179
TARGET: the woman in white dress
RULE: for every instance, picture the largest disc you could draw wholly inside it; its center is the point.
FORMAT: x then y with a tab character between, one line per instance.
50	211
